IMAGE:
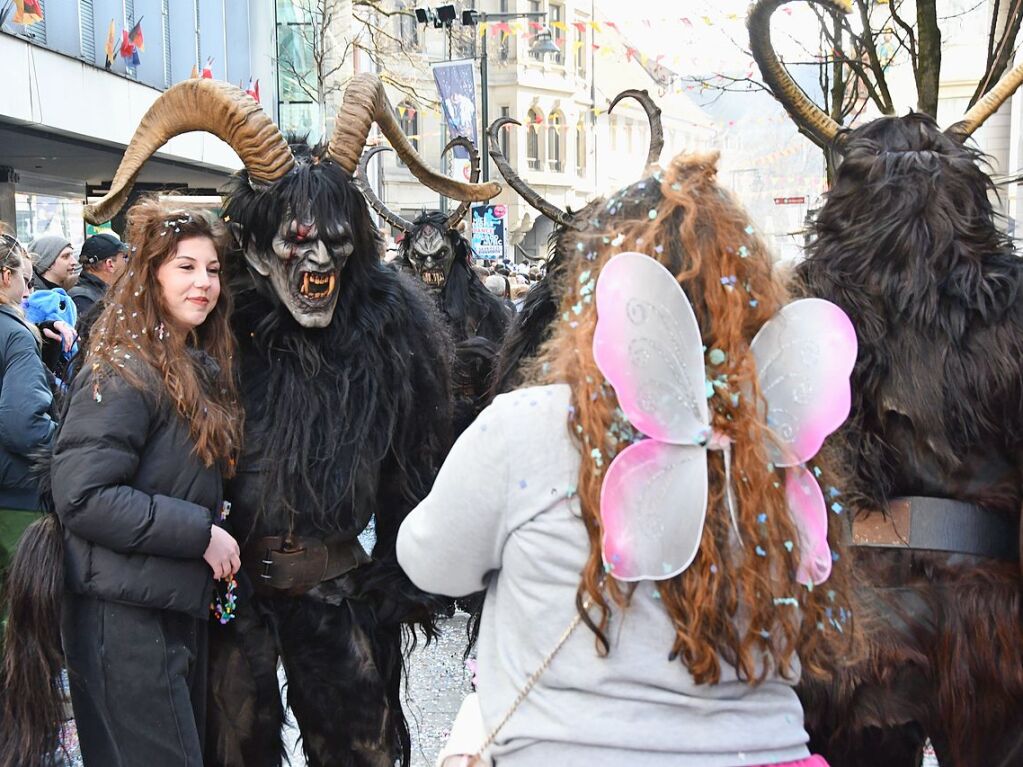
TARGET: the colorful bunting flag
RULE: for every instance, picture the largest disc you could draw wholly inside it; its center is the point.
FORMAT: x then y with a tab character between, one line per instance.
207	71
253	90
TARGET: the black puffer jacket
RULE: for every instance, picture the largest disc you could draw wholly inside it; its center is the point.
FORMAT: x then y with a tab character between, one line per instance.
136	503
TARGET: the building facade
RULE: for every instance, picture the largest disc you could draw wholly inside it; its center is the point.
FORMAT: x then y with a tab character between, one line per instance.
66	117
568	147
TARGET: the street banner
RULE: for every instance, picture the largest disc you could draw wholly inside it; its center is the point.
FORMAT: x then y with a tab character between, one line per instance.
456	84
488	231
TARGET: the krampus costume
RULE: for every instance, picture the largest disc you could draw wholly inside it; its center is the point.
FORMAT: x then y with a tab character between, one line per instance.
440	256
907	244
532	325
347	406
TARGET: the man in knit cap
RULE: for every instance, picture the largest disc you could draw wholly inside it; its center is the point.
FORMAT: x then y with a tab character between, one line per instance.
54	262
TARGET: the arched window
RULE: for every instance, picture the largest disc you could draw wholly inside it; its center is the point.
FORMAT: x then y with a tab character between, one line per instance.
580	148
408	117
555	155
533	139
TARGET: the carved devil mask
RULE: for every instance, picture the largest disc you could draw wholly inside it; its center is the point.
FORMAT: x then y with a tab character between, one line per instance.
431	256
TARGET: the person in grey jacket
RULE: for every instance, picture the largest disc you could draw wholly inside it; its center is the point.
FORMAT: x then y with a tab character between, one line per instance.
25	400
151	428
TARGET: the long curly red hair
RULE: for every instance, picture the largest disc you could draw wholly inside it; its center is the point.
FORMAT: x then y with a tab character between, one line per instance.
737	603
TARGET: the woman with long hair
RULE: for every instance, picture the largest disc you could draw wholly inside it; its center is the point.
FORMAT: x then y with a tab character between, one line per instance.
129	558
692	668
25	400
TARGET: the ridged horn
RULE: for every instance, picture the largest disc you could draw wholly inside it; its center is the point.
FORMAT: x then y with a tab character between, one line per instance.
515	181
362	181
365	102
653	116
474	174
988	105
809	117
212	106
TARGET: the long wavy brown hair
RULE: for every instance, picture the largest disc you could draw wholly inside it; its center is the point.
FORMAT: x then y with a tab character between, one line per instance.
135	322
739	603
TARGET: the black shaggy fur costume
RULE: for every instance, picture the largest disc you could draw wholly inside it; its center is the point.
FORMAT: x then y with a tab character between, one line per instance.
907	244
345	425
478	320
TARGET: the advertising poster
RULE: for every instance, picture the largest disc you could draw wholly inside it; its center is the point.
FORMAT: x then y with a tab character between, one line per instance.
456	84
488	231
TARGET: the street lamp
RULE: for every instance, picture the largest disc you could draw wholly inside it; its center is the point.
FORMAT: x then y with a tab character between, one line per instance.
542	45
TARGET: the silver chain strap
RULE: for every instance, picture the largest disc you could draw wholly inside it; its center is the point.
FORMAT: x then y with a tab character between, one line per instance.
531	682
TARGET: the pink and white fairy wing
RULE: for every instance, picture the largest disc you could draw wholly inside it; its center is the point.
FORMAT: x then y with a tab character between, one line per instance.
806	504
804	356
653	504
648	345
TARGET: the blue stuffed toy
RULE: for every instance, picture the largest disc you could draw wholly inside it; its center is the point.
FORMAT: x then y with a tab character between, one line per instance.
44	306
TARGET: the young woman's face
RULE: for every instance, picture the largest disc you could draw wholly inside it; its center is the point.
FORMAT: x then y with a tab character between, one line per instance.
15	283
190	282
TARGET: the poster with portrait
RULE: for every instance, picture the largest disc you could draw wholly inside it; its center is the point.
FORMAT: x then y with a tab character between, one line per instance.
456	84
488	231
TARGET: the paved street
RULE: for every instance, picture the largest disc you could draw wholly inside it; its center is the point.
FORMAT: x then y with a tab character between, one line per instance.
436	684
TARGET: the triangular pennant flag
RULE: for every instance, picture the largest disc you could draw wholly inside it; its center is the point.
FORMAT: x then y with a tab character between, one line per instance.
207	71
256	89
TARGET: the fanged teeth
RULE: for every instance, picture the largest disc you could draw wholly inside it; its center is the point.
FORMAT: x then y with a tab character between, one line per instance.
317	286
433	278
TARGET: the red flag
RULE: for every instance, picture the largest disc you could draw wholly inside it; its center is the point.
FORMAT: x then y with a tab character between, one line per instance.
257	91
126	46
27	12
612	25
581	26
207	71
136	36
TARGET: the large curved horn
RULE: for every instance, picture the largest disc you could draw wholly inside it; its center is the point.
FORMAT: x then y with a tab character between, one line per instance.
365	102
474	174
213	106
809	117
515	181
653	116
362	181
988	105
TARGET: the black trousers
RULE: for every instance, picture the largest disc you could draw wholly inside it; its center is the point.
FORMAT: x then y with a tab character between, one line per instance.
344	675
138	683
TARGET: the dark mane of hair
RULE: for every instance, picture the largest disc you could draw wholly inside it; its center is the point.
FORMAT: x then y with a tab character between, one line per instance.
907	243
380	351
531	326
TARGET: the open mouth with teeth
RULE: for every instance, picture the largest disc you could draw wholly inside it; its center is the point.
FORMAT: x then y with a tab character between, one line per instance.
432	278
317	286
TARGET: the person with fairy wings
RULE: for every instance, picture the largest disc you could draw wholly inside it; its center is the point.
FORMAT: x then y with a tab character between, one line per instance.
648	483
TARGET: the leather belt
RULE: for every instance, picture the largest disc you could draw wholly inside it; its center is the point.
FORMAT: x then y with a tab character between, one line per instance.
293	564
940	524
